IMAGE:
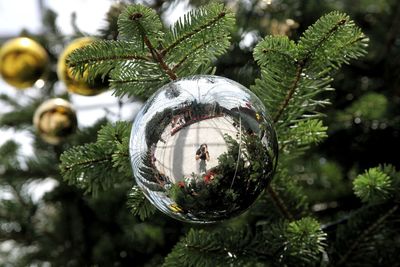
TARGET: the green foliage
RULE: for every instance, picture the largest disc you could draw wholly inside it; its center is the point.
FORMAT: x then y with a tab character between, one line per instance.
138	22
322	181
305	241
370	232
367	238
301	136
293	75
99	166
110	31
330	42
139	204
8	152
149	56
198	38
373	186
18	117
308	132
299	243
285	198
292	78
218	248
370	106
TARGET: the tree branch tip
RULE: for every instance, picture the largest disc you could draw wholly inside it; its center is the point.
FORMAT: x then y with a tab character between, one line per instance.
342	21
136	16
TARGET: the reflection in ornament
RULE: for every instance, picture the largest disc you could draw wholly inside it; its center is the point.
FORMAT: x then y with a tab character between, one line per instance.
203	144
75	83
23	61
55	120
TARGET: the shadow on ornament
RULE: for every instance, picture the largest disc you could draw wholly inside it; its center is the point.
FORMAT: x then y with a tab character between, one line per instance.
203	149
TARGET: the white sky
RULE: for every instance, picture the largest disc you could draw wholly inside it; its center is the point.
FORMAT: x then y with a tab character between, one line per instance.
18	14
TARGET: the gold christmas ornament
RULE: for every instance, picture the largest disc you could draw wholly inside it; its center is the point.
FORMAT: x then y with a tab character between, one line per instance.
54	120
78	84
22	62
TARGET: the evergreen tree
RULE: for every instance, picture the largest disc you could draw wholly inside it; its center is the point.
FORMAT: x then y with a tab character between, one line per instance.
333	200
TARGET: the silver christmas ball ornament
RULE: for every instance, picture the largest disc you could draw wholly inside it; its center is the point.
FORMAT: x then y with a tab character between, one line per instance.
203	148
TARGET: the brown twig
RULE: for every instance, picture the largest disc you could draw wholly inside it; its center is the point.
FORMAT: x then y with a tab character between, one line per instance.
289	94
279	203
159	58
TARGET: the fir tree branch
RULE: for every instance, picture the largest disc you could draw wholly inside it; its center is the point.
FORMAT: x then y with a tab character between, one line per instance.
373	186
314	47
139	204
135	81
136	17
188	35
293	75
88	162
279	203
197	38
138	80
290	93
96	59
18	196
364	234
300	67
99	166
137	21
159	58
185	57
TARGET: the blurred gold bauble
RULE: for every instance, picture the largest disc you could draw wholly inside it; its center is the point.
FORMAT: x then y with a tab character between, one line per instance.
22	62
78	84
54	120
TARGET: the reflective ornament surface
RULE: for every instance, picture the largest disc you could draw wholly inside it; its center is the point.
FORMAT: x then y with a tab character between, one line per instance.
23	61
76	84
203	148
54	120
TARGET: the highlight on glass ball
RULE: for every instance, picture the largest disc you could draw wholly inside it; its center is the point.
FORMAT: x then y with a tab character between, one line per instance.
78	84
23	61
203	149
55	120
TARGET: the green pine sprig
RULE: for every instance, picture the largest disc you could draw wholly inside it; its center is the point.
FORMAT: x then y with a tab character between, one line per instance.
148	56
298	243
102	165
294	75
373	186
139	205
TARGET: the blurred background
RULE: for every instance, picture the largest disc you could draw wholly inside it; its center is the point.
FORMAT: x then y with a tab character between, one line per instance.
363	124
